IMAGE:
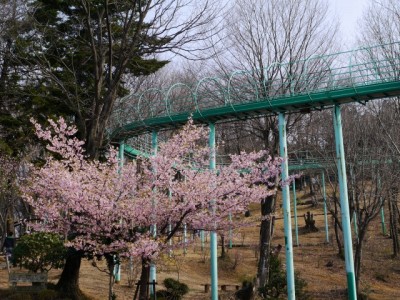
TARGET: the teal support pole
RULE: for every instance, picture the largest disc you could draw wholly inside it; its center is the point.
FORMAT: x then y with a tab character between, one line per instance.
117	271
202	240
296	228
230	232
170	229
382	208
383	220
344	204
154	143
153	270
325	208
286	209
213	234
117	265
121	154
184	238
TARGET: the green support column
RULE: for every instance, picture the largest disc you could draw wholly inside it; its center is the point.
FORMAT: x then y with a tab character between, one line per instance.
230	232
344	204
383	219
170	229
121	154
213	234
325	207
296	228
382	207
117	271
184	238
153	270
117	266
202	239
286	209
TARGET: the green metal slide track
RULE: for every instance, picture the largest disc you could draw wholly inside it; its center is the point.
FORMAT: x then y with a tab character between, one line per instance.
314	83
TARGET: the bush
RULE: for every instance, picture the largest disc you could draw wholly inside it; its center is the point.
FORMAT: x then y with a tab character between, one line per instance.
40	251
277	282
175	290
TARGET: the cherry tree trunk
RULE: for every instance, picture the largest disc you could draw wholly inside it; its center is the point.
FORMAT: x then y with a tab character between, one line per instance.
111	262
223	252
68	284
144	280
266	233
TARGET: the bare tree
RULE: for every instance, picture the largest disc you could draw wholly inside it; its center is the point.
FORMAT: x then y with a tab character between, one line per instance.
380	22
381	25
257	35
314	141
372	170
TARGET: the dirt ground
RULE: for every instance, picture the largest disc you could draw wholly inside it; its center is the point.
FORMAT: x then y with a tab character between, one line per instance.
317	262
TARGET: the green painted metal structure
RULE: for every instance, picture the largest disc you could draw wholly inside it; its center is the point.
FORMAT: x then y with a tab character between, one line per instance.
322	81
153	229
291	295
344	204
296	227
382	213
213	234
313	83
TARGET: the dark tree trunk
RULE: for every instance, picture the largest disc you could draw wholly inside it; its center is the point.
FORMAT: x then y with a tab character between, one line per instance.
266	232
312	192
358	257
94	138
10	220
337	236
68	284
97	123
393	226
144	279
223	252
111	281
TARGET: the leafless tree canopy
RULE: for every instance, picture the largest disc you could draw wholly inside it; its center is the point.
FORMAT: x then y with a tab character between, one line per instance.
380	23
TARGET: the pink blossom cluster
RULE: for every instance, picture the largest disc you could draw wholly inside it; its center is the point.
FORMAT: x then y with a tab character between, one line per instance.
102	209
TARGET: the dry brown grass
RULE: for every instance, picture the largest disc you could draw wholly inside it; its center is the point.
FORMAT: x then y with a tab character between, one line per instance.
380	278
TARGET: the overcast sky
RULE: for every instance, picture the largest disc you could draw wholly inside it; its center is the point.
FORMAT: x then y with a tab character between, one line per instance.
349	12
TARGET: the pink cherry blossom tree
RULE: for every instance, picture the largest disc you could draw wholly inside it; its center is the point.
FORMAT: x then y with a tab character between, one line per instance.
105	210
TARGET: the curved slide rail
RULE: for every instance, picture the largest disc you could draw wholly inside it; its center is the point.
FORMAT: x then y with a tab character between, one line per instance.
317	82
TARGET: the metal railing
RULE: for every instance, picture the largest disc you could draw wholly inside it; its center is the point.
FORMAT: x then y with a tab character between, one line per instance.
361	67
